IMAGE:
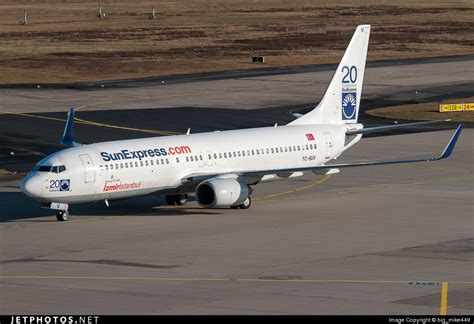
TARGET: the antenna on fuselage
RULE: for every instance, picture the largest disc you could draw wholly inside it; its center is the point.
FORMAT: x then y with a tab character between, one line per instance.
189	131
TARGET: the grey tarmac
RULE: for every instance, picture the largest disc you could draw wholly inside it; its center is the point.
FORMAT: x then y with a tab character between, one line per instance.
381	240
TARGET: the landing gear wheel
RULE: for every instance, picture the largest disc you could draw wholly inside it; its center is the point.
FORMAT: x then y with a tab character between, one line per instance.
170	200
246	204
62	215
181	200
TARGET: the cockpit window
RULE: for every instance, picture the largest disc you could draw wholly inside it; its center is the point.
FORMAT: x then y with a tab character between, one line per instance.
43	168
48	168
58	168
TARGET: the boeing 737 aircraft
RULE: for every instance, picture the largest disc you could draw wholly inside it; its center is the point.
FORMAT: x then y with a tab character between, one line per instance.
218	167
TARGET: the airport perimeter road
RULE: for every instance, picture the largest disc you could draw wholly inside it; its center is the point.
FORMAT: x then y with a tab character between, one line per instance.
386	240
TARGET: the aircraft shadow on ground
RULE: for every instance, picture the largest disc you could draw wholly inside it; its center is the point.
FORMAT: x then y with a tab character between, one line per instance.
16	207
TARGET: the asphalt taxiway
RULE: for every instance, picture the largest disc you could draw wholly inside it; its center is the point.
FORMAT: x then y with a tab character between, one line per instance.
384	240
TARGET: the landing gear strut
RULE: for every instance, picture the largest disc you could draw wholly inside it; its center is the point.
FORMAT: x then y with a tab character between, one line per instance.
62	215
179	200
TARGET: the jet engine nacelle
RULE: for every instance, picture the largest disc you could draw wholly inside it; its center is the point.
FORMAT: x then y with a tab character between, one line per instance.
223	192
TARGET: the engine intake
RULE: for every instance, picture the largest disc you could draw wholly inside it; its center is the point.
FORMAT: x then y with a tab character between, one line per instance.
223	192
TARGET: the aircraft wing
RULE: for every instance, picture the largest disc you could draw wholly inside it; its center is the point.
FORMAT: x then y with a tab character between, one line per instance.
257	174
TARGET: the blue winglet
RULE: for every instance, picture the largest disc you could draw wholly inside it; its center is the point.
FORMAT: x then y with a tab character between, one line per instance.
68	138
450	147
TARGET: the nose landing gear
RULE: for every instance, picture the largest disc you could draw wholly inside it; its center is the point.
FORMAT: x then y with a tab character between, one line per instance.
61	208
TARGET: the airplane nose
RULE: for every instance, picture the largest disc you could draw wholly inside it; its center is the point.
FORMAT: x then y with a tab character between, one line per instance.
32	186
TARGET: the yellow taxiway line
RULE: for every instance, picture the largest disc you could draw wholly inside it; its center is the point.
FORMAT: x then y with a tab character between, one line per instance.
318	182
151	278
444	285
366	189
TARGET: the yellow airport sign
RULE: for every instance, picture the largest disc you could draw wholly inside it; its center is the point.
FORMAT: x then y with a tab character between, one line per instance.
450	107
468	107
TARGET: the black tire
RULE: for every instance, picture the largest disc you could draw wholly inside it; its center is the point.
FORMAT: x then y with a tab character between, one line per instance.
234	207
62	215
246	204
181	200
170	200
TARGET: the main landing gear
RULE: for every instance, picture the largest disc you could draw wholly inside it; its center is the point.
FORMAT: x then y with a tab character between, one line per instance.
179	200
62	215
245	205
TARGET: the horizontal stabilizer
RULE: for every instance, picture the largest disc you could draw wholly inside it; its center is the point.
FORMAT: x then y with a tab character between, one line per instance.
377	129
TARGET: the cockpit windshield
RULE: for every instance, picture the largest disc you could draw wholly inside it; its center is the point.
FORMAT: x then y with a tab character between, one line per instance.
49	168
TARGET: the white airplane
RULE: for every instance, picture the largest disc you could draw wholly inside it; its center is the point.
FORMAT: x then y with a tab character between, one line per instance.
218	167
